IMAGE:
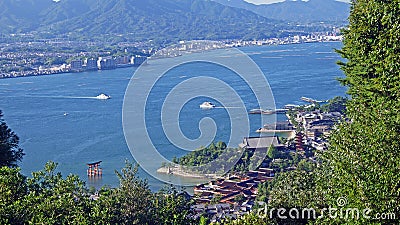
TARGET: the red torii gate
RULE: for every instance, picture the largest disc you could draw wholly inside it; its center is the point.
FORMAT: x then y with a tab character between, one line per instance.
94	169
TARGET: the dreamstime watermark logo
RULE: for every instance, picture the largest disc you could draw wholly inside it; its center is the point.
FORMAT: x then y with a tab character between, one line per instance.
154	103
341	201
341	212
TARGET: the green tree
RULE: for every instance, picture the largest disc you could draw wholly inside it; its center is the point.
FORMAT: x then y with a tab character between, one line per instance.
263	192
134	199
306	165
10	152
212	147
337	104
46	198
254	218
172	207
13	188
53	199
203	220
49	198
221	145
363	160
296	189
272	152
292	189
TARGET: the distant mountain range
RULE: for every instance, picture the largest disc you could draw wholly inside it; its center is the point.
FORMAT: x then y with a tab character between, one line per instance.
145	19
297	11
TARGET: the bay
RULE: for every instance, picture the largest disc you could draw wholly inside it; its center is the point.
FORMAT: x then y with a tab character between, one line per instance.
34	107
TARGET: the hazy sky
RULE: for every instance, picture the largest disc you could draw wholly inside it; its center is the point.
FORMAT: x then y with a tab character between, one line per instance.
274	1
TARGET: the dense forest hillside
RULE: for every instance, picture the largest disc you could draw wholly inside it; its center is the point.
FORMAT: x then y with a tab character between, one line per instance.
170	19
331	11
140	20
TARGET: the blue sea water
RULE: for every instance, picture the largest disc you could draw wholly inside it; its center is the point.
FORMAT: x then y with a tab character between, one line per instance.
34	107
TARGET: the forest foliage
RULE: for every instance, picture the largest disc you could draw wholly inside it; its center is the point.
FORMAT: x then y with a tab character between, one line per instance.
49	198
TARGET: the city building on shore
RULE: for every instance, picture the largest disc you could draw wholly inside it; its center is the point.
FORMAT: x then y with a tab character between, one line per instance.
106	63
76	65
316	126
138	60
90	64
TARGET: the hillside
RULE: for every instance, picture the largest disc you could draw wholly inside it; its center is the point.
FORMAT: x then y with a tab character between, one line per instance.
29	15
171	19
297	11
138	19
20	15
162	20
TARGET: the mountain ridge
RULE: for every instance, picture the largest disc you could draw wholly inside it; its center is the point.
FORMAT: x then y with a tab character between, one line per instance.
168	20
122	16
297	11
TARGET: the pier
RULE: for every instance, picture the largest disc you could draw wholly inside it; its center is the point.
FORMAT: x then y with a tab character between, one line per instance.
268	111
310	100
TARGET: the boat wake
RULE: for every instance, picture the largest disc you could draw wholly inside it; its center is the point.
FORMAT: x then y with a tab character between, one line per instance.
228	107
64	97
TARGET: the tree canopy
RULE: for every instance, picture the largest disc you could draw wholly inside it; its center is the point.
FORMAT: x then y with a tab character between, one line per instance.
361	168
364	158
10	152
337	104
49	198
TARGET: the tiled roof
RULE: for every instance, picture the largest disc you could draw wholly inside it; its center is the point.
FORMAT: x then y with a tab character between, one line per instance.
260	142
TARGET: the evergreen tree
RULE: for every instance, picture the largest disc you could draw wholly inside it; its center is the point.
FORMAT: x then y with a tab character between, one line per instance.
173	207
10	152
134	203
272	152
337	104
363	162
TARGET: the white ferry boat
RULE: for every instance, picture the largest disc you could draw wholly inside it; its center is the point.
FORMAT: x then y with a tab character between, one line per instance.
103	96
207	105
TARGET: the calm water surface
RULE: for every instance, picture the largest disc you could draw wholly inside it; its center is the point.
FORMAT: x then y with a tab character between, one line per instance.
34	107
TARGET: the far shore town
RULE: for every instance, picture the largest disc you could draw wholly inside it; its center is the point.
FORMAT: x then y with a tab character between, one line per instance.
53	56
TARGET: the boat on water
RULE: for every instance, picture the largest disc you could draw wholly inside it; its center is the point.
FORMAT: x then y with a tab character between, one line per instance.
267	111
256	111
103	96
207	105
262	111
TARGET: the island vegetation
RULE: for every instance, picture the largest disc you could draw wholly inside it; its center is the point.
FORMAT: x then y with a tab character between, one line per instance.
277	159
203	162
202	155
